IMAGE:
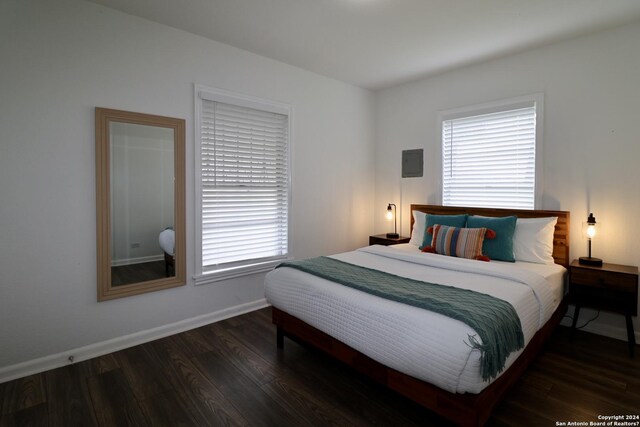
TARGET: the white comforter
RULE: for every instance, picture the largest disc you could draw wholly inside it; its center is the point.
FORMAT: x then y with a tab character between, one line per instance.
417	342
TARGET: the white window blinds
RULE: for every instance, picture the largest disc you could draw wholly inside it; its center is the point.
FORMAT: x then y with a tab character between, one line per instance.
489	160
245	184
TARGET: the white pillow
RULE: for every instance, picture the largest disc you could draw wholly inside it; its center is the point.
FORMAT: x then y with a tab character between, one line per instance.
420	222
533	240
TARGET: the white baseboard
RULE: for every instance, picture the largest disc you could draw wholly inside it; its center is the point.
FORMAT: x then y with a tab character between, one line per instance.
79	354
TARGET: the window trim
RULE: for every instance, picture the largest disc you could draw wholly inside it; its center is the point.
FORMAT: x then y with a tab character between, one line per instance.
220	95
492	107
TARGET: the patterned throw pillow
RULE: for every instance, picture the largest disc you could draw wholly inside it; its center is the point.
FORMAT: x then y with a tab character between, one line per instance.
459	242
450	220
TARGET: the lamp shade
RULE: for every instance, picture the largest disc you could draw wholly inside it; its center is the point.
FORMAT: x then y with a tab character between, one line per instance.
590	229
389	213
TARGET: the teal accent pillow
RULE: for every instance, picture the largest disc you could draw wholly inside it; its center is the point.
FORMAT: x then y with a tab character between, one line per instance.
501	247
459	221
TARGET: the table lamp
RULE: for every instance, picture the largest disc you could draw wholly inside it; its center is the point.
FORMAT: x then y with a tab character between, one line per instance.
391	215
590	231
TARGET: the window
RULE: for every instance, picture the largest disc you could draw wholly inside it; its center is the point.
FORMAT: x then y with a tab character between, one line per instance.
243	184
489	155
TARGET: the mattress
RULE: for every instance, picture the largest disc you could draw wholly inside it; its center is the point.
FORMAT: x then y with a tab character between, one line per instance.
417	342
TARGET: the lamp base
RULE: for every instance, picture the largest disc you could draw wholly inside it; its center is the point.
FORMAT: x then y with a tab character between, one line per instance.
594	262
393	235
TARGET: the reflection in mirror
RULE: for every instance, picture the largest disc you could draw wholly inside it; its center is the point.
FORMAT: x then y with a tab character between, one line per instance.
141	203
140	210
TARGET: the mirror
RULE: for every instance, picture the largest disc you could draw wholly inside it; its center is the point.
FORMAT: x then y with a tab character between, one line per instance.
140	203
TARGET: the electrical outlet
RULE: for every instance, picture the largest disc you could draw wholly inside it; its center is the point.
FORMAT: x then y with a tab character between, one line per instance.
135	245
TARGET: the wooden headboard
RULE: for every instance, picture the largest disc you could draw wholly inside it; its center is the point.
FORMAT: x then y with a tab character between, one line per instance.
560	236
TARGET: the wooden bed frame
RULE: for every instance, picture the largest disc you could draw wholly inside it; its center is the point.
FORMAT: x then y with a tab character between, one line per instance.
463	409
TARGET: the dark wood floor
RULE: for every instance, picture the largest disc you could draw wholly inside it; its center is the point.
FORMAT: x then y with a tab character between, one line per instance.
230	373
135	273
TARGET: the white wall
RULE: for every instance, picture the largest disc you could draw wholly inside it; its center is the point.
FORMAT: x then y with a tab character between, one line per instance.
61	59
591	145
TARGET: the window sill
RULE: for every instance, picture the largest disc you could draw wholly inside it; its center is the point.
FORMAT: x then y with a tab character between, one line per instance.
231	273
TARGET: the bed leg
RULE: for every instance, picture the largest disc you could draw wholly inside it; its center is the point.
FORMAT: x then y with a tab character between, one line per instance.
279	337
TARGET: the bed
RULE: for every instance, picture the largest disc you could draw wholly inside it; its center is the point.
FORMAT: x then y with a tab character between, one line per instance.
424	355
167	241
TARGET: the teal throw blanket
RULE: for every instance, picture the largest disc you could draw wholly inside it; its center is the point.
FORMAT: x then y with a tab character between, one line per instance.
495	320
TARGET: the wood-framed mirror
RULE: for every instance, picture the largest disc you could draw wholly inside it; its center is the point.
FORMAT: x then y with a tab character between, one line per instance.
140	203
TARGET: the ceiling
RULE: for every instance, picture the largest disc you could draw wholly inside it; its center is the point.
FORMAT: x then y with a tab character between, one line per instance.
380	43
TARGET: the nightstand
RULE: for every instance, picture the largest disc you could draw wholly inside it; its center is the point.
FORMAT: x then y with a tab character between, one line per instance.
382	239
611	287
